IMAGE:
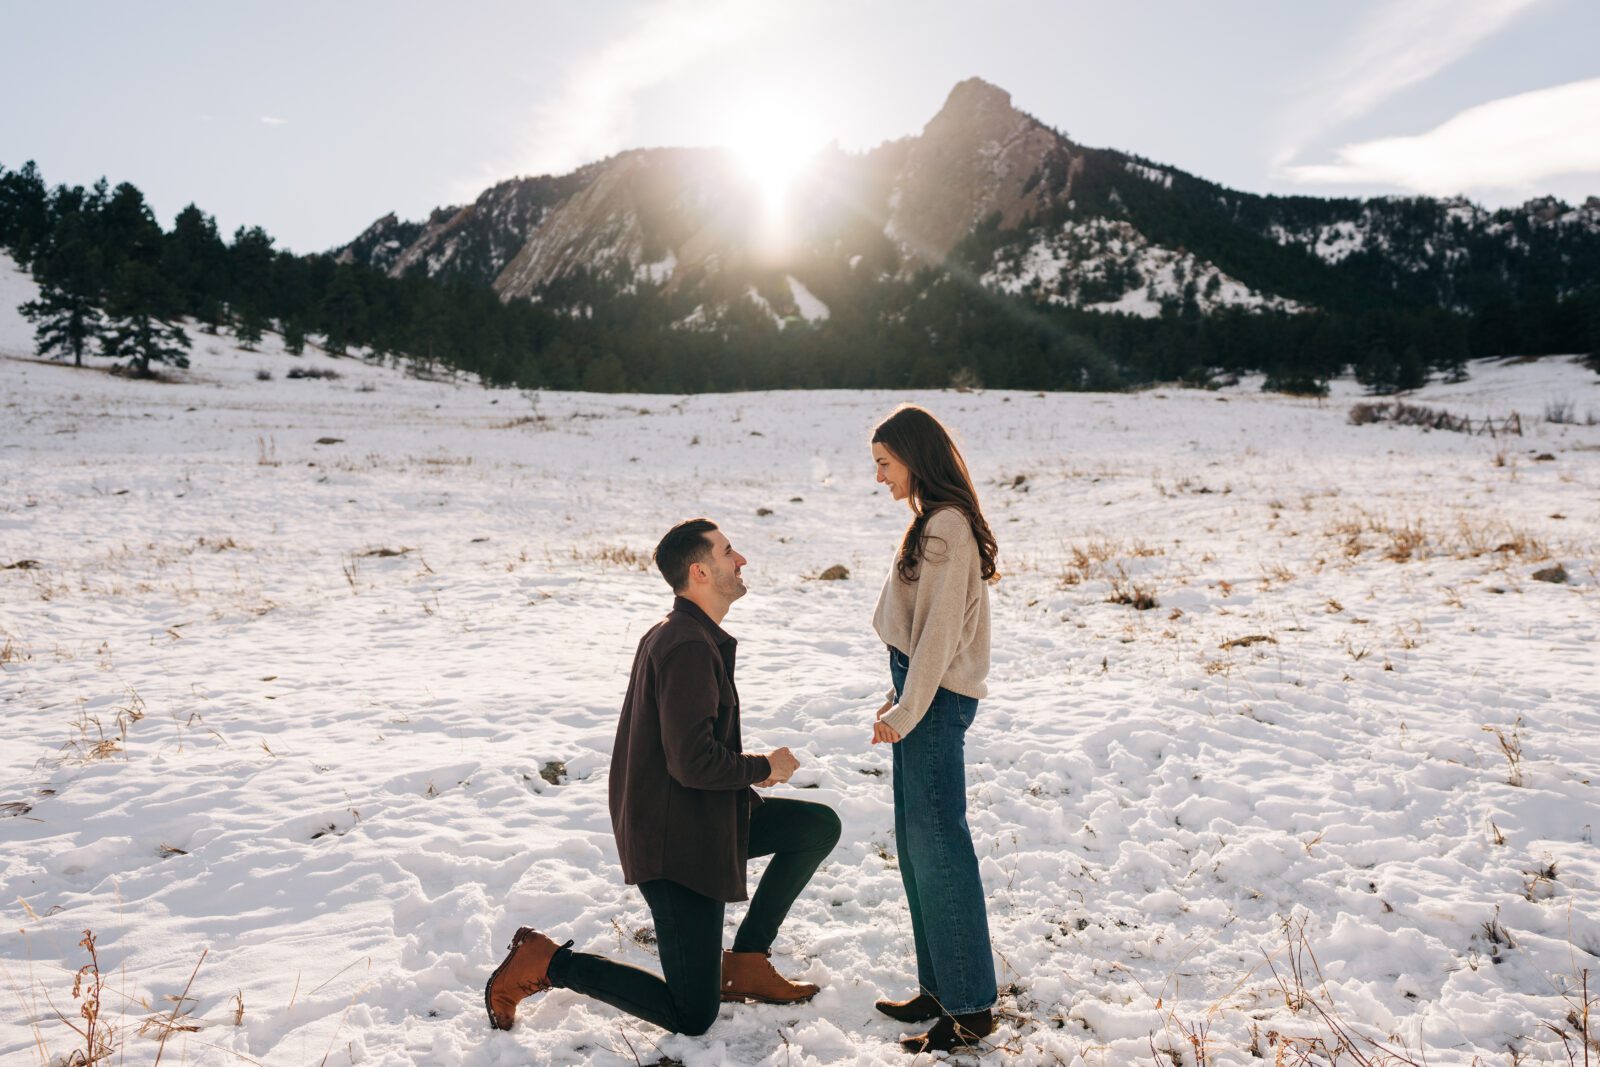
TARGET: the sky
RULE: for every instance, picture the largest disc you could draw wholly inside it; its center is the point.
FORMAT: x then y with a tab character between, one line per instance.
314	119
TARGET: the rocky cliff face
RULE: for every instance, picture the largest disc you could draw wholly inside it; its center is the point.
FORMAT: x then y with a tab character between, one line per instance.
474	241
1030	212
978	157
645	214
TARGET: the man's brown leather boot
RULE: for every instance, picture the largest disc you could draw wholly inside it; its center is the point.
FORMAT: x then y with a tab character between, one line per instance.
524	972
751	976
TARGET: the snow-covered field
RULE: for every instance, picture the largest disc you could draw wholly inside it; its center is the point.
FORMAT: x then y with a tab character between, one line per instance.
321	772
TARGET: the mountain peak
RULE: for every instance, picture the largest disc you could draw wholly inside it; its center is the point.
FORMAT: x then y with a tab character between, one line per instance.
975	94
977	156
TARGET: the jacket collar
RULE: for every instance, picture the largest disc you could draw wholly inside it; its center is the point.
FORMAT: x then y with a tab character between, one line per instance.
694	611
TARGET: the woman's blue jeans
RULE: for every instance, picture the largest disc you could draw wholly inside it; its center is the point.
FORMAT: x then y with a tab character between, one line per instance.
937	862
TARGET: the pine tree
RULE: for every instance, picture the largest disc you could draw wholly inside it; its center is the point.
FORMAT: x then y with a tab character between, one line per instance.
1409	371
1592	326
250	266
294	336
137	331
192	261
344	311
66	316
64	322
24	212
1377	371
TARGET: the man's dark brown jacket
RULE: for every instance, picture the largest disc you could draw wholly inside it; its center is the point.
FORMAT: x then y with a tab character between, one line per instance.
680	782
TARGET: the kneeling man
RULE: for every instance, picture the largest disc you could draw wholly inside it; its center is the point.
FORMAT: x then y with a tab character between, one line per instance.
687	820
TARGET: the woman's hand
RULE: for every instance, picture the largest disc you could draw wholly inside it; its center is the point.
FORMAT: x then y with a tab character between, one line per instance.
883	733
887	704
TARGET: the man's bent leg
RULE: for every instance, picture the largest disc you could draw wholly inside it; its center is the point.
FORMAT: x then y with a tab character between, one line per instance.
689	939
798	835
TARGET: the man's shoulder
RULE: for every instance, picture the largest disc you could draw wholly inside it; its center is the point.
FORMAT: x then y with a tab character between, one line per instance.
676	629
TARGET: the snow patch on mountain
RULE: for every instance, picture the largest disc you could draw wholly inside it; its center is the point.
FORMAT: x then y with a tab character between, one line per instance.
1108	265
763	303
1151	174
811	309
658	272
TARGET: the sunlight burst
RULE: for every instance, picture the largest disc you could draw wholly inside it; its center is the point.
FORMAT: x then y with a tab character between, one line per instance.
775	142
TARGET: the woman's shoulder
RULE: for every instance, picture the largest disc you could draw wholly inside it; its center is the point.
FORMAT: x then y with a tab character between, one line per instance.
950	523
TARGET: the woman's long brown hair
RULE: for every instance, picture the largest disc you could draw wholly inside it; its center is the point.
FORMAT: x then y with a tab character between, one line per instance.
939	479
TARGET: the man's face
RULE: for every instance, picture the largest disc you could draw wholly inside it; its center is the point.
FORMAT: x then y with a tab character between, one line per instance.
724	566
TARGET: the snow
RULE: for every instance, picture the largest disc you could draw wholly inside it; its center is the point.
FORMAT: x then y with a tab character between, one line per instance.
658	272
755	297
811	309
1060	266
347	747
1150	174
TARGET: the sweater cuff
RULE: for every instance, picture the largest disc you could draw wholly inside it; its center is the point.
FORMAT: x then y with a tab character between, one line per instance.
901	719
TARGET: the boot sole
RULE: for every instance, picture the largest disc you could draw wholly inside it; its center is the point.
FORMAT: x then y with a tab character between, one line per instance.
744	998
488	1007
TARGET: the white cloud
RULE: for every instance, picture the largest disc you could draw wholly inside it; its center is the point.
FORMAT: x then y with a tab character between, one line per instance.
592	116
269	120
1405	45
1511	144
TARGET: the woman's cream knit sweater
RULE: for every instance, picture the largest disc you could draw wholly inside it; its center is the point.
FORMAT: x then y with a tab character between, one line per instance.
940	620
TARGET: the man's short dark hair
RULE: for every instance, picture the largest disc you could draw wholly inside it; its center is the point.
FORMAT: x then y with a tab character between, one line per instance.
685	544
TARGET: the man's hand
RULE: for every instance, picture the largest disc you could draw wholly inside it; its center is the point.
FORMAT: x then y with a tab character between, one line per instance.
884	734
783	766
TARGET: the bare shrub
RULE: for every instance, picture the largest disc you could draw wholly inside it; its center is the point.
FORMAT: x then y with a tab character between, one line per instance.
1559	411
965	380
313	372
263	375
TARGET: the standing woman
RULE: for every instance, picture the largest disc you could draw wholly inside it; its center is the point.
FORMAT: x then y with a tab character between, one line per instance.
933	614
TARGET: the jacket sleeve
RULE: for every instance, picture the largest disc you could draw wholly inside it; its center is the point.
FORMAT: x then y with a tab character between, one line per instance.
687	695
938	619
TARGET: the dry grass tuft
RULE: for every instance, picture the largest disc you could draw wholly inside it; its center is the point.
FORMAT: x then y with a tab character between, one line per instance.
1134	594
93	742
98	1038
1409	540
1511	748
615	555
1248	640
11	652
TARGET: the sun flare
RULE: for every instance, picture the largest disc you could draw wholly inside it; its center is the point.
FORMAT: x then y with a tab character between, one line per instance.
774	142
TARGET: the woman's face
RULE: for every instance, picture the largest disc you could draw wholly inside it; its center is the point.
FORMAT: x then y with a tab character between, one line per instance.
891	472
